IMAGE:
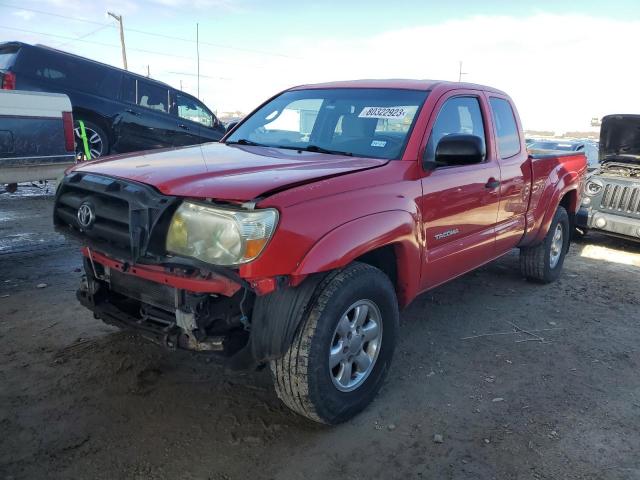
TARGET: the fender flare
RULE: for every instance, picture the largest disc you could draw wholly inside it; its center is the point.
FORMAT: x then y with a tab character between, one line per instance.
349	241
277	316
568	185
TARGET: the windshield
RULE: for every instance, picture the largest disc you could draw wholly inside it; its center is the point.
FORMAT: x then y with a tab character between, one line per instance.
366	122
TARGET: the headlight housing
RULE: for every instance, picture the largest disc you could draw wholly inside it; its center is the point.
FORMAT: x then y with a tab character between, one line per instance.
593	187
220	236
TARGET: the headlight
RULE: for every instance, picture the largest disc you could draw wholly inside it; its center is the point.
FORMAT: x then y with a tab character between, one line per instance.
593	187
218	236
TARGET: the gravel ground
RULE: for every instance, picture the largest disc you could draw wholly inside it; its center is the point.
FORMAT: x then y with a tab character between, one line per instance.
468	396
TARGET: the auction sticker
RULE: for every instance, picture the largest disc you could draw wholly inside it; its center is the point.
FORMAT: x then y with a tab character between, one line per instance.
383	112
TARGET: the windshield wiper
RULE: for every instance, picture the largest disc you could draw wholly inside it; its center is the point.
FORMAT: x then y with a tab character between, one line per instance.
244	141
316	148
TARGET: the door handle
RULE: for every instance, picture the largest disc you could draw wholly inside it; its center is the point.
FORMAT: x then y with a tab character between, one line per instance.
132	112
183	126
492	184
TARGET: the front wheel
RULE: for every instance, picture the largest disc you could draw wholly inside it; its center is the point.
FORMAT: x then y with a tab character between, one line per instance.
543	263
343	347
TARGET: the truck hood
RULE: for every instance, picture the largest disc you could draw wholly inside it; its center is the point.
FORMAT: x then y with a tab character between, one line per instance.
226	172
620	138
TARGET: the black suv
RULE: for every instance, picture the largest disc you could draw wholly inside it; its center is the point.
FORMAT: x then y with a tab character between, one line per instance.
121	111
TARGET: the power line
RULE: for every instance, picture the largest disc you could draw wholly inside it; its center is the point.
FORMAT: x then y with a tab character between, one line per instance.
154	34
162	54
82	36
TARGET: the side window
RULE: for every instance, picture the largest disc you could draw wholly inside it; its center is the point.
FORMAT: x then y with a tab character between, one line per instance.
153	96
457	115
129	89
506	128
190	109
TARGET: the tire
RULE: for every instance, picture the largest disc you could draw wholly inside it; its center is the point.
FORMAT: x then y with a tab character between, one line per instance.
97	138
543	263
303	378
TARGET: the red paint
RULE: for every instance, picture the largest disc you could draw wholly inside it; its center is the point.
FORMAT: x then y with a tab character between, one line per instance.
335	209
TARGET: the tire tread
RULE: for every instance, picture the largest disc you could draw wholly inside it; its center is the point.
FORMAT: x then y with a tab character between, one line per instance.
290	372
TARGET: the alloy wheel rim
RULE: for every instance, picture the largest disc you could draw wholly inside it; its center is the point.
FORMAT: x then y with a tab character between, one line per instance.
94	141
355	345
557	242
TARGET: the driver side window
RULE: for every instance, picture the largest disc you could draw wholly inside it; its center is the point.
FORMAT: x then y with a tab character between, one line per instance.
457	115
191	110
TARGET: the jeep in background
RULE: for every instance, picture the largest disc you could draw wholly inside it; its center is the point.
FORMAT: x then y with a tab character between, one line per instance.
122	112
295	242
611	200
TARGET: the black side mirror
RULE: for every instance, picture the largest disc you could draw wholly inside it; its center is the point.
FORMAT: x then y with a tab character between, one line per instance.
457	149
230	125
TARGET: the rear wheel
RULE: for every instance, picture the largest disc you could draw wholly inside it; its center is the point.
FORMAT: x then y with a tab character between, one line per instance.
343	347
97	139
543	263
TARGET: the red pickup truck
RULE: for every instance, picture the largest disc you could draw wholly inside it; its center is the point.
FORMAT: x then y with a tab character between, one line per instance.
296	240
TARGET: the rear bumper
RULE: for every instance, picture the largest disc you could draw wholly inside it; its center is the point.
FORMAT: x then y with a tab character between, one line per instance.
33	173
617	225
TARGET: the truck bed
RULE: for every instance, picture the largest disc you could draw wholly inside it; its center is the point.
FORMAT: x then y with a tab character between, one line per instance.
32	136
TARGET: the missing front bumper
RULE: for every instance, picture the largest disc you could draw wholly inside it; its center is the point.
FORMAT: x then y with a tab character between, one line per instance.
167	316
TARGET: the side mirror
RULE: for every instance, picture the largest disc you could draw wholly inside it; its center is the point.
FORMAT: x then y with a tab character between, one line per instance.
231	125
458	149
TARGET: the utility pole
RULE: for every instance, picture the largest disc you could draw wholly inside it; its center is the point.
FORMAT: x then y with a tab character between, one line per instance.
148	72
124	51
460	72
198	55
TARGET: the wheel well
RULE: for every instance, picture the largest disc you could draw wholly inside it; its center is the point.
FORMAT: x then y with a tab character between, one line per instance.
82	114
383	258
570	204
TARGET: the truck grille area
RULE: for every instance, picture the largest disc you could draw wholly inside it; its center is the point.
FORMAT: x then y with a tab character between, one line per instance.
116	216
620	197
156	294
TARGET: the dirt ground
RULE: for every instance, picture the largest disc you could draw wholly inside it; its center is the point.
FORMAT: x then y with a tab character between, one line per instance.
78	399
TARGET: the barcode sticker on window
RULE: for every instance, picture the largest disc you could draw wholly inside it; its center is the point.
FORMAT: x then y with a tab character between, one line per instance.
378	143
383	112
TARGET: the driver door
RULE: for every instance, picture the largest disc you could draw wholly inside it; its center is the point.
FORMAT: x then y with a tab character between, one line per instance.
459	202
194	123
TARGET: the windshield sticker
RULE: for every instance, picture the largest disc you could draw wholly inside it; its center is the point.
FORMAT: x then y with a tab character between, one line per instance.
383	112
378	143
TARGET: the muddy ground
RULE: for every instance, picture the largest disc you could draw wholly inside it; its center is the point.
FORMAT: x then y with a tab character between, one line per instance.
79	399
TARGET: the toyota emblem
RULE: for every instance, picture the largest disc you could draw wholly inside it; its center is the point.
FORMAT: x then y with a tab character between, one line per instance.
86	215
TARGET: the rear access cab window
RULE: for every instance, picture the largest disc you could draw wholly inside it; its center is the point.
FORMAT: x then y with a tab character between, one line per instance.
507	134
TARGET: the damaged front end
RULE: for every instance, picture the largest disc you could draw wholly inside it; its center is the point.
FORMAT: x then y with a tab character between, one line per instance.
169	316
132	282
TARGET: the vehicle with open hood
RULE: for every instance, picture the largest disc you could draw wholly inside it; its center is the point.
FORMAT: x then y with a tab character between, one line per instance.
295	242
611	200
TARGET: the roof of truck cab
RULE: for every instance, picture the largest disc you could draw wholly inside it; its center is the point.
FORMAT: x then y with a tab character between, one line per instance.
406	84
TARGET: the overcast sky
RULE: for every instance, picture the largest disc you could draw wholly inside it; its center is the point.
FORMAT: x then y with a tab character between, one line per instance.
563	62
